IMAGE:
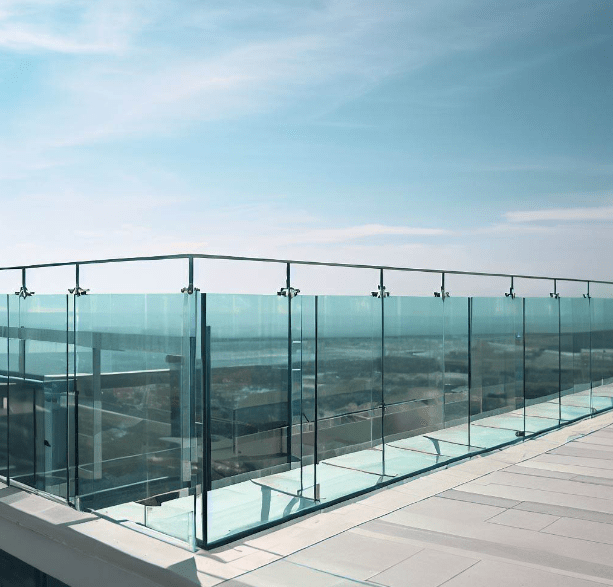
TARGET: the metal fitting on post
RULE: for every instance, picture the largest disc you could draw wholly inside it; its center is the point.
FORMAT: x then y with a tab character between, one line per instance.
380	293
290	292
189	290
24	293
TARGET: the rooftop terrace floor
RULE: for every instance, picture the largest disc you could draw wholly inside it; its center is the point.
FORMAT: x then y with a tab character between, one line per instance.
539	512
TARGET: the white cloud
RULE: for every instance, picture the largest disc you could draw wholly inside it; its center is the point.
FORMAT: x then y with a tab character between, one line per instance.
29	40
76	27
596	213
339	235
337	50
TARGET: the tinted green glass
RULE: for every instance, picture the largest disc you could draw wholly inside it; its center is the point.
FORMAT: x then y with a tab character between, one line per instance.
413	367
496	370
38	425
250	383
413	383
134	360
602	352
302	369
542	363
349	391
575	379
4	385
455	373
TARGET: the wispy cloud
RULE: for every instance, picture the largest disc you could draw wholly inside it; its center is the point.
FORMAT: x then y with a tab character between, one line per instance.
336	51
339	235
595	213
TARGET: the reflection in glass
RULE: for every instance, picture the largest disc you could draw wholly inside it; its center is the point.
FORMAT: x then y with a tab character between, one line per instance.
414	393
205	416
257	459
602	352
38	423
4	386
349	389
575	378
133	374
542	363
496	389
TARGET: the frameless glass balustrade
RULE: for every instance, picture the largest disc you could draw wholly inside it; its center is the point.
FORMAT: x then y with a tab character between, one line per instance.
203	417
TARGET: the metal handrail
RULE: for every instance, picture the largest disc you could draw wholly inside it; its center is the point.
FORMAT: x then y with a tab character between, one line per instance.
192	256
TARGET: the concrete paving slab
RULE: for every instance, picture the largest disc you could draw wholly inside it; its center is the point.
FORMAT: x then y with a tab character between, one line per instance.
354	555
284	573
505	574
574	469
566	512
512	544
584	452
427	568
477	498
542	496
523	519
593	463
523	469
545	483
584	529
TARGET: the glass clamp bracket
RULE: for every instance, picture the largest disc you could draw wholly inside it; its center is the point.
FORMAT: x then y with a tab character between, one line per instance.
441	294
380	293
288	292
78	291
24	292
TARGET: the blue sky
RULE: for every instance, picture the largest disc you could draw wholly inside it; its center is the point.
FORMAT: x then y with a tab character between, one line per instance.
469	134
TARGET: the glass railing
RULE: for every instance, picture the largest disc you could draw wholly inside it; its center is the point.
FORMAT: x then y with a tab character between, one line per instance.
202	417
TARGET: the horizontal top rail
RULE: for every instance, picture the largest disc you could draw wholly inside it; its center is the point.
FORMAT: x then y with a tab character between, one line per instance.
296	262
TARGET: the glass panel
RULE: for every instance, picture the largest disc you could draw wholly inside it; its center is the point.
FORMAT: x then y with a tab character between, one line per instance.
4	385
602	352
542	363
455	378
198	455
496	381
349	395
251	452
303	385
38	427
134	359
413	378
575	389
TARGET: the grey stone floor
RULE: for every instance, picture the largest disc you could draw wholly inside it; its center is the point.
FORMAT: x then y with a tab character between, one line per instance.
538	513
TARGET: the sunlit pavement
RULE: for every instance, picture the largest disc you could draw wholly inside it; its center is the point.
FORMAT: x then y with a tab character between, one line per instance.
536	513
